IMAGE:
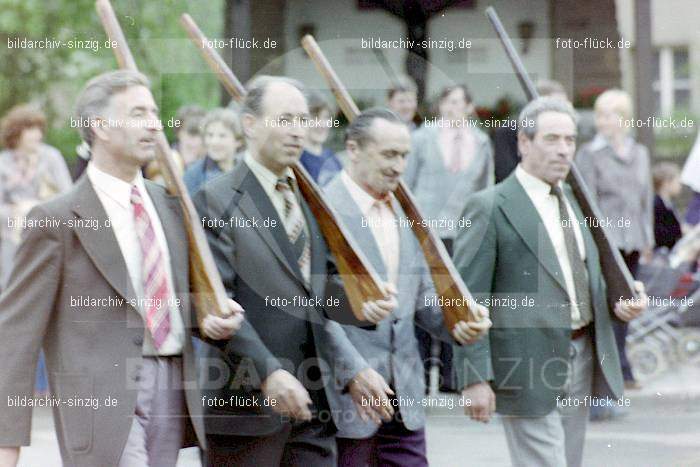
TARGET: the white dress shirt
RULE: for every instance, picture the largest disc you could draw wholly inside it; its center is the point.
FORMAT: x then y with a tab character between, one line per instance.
115	196
268	180
382	222
547	206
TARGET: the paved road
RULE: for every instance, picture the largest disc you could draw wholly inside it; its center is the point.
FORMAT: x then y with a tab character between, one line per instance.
661	429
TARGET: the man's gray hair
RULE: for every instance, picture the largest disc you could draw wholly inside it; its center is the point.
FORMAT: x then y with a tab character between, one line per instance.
95	96
256	88
359	129
527	121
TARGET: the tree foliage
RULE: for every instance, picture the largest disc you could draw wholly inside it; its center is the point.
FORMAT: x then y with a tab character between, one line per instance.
52	77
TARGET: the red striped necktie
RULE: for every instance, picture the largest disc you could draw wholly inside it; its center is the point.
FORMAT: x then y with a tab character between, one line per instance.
153	273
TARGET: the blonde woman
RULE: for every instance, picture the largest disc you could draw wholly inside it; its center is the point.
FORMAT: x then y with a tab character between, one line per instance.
617	171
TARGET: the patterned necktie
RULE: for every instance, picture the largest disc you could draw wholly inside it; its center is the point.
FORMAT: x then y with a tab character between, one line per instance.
294	224
153	273
578	266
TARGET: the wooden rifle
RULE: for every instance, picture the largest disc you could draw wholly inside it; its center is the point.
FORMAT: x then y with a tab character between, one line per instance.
360	280
619	281
449	286
208	292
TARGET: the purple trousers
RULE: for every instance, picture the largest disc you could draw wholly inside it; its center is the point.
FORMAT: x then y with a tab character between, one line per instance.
392	445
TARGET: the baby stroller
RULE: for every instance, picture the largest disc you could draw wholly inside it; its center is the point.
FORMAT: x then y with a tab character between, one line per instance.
668	332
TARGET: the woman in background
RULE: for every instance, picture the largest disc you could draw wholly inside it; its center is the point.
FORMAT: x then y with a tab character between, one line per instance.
617	171
30	172
223	139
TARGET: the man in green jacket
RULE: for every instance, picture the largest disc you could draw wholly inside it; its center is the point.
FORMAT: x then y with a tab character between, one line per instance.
528	254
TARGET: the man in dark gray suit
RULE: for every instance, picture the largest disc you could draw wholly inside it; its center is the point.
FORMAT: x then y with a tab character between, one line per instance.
378	142
273	393
101	283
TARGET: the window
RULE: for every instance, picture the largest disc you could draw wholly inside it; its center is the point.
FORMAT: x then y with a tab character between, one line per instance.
671	80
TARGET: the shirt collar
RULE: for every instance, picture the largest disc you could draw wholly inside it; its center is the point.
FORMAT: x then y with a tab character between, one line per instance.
533	185
265	176
364	200
113	187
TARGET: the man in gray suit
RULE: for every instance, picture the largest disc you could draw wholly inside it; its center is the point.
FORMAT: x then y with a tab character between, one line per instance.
378	142
530	255
279	379
101	283
450	159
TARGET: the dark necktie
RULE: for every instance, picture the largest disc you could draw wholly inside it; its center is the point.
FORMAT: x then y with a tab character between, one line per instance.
578	266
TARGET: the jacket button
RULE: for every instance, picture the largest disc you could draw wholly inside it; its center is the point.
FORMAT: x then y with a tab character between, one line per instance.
138	340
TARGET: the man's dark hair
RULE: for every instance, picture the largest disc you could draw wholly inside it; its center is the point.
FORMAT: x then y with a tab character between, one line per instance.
359	129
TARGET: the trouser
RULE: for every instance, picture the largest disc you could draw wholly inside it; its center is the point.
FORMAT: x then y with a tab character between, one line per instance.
158	427
307	444
556	439
392	445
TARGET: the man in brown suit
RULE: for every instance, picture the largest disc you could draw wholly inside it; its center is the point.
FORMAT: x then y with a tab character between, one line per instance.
101	283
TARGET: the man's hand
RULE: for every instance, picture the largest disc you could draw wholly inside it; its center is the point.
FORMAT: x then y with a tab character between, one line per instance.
290	396
483	402
9	456
218	328
369	392
629	309
468	333
377	310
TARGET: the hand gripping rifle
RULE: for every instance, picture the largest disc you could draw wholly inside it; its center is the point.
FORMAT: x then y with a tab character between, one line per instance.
458	302
207	289
360	280
618	279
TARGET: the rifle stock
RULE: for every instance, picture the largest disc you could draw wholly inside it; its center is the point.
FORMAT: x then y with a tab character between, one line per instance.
207	290
448	283
619	281
360	280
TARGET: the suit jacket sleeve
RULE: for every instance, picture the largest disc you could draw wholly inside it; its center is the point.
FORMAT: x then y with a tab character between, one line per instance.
246	342
430	317
348	361
648	202
413	165
26	306
475	259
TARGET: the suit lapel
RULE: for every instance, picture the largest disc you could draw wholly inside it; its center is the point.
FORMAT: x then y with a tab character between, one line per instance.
256	206
592	259
101	244
410	254
526	221
318	252
352	218
168	210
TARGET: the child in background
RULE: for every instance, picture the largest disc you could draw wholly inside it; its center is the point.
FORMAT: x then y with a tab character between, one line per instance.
667	186
320	162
